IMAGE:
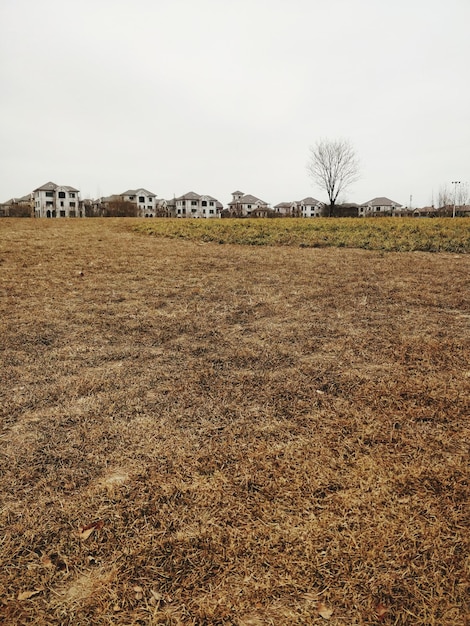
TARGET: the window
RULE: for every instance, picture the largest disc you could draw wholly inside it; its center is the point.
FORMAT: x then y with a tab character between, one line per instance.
211	211
72	205
204	211
377	208
179	211
193	210
62	214
183	202
204	203
141	199
211	203
49	203
248	206
131	197
61	203
193	202
149	208
150	199
184	211
61	194
71	195
49	194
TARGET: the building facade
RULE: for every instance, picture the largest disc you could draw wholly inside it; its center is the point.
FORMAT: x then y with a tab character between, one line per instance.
246	205
379	207
17	207
193	205
145	201
51	200
308	207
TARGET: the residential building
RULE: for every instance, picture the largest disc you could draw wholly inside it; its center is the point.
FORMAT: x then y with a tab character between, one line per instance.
51	200
146	201
245	205
17	207
308	207
311	207
193	205
379	207
286	209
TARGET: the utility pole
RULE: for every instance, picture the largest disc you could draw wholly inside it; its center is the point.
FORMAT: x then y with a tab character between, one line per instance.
455	183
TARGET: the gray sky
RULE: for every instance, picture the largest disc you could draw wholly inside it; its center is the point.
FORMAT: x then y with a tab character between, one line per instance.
216	95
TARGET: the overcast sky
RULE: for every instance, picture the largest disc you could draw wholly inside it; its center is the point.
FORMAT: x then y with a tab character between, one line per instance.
213	96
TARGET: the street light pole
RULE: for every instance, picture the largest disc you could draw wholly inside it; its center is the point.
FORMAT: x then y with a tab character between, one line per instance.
455	183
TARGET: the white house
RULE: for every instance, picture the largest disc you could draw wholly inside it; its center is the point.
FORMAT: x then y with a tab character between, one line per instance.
51	200
378	206
193	205
146	201
286	208
308	207
243	205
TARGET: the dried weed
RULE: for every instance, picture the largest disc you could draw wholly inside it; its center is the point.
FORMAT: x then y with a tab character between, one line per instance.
252	435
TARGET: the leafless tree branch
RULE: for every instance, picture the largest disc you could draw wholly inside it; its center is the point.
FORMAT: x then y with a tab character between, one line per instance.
333	166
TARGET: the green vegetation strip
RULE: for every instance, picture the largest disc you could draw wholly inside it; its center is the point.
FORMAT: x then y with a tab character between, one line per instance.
389	234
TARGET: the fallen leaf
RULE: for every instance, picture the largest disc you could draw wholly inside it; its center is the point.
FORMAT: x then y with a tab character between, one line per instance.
324	611
84	534
138	592
85	531
26	595
381	611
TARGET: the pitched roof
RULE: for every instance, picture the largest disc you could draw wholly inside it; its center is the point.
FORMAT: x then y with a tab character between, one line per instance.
135	192
283	205
248	199
50	186
191	195
47	187
381	201
26	198
310	200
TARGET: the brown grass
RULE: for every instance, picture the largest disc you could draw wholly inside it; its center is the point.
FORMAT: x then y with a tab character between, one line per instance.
205	434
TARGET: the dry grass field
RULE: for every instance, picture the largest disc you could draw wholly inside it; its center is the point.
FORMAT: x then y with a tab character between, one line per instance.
205	434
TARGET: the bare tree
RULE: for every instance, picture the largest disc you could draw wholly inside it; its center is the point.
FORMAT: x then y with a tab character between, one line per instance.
333	166
459	195
444	197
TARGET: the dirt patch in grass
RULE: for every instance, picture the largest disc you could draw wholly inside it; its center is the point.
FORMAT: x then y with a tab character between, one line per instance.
204	434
